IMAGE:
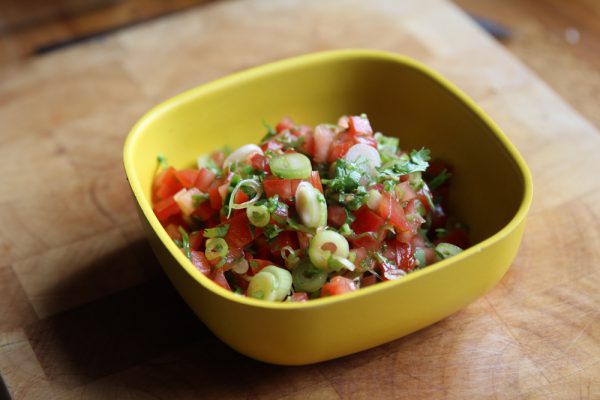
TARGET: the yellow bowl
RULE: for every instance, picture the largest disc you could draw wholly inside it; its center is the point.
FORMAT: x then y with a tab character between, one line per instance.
491	192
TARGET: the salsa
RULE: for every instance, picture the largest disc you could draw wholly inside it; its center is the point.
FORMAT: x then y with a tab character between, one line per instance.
309	212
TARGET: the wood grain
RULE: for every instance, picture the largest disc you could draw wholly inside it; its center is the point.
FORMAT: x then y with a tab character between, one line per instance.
85	312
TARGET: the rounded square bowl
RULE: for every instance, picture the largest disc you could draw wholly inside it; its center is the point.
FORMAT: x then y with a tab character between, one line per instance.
491	193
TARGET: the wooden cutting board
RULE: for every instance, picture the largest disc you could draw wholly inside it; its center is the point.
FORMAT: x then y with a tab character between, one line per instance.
86	313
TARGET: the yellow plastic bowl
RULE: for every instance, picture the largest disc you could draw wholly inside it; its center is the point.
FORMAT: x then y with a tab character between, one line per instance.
491	192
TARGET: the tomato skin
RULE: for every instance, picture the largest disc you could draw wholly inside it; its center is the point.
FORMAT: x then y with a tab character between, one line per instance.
204	179
368	281
366	221
359	125
196	240
201	262
315	180
415	220
336	215
260	163
166	208
166	184
303	240
256	264
218	276
298	297
215	198
392	211
280	187
187	177
241	197
239	233
337	285
204	211
286	123
457	237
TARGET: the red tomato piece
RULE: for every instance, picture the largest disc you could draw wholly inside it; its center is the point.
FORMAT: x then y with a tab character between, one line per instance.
196	240
239	233
280	187
299	297
336	215
367	242
166	184
215	198
173	231
359	125
315	180
204	211
286	123
204	179
166	208
303	240
201	262
256	264
368	281
219	278
366	221
187	177
260	162
457	237
392	211
337	285
241	197
285	238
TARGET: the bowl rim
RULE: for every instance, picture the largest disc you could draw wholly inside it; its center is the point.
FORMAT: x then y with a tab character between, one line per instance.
292	63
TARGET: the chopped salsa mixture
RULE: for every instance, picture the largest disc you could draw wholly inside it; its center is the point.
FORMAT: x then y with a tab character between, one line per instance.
309	212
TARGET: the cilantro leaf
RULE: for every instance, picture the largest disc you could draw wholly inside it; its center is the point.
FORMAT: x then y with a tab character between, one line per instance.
347	177
439	180
270	132
185	243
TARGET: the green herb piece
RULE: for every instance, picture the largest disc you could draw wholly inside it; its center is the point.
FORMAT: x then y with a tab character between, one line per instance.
162	161
441	232
439	180
217	231
198	199
185	243
272	231
270	132
347	177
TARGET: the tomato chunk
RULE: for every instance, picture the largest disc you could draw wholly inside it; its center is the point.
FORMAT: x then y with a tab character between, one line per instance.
166	208
366	221
281	187
337	285
239	233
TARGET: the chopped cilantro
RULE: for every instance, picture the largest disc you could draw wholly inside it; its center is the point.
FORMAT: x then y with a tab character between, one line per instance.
347	177
271	231
217	231
198	199
270	132
185	243
439	180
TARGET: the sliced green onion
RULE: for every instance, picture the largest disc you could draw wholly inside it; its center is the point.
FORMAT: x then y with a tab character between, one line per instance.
258	215
311	205
241	154
420	257
271	283
307	278
185	243
217	231
338	263
216	248
445	250
289	256
326	244
251	183
240	267
291	166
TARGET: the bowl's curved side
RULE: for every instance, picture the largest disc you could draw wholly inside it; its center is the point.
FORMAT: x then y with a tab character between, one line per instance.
307	335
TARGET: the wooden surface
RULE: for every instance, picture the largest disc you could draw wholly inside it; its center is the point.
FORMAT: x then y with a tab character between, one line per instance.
86	313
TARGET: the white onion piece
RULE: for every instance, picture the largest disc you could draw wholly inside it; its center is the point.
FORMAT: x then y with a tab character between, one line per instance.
185	201
242	154
367	153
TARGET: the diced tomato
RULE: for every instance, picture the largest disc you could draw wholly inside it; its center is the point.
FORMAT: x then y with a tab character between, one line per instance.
271	145
261	246
260	162
241	197
340	146
218	157
366	221
173	231
166	208
457	237
315	180
286	123
391	210
365	241
204	211
404	255
239	233
218	276
413	218
359	125
303	240
404	192
308	145
368	140
196	240
368	280
280	187
204	179
256	264
324	137
285	238
240	281
222	189
360	254
299	297
216	201
201	262
337	285
336	215
166	184
187	177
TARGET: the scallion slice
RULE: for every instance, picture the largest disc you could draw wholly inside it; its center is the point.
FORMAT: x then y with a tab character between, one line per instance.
326	244
258	215
291	166
216	248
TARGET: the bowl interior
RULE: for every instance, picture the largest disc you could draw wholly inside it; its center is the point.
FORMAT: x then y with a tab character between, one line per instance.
401	98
